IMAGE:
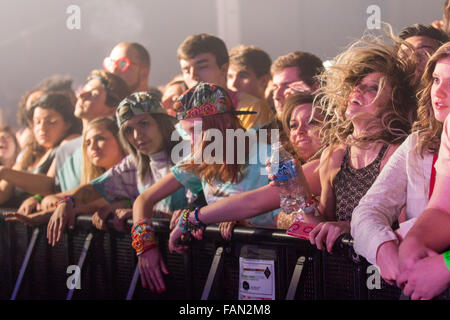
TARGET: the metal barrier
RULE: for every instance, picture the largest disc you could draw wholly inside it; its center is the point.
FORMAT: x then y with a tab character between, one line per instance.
31	269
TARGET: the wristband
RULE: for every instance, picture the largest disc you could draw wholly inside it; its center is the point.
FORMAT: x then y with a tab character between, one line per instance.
66	199
184	224
143	236
447	259
201	224
39	197
310	207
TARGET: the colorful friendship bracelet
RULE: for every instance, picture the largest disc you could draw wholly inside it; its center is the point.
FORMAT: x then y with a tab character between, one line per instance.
447	259
184	224
143	236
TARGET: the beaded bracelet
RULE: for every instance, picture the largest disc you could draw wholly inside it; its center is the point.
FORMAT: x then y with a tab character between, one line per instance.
143	236
66	199
184	224
201	224
39	197
447	259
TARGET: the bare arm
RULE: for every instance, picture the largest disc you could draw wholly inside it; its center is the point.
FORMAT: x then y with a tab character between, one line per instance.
242	206
143	206
29	182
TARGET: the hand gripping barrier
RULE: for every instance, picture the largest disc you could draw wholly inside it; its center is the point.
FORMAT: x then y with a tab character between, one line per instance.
31	269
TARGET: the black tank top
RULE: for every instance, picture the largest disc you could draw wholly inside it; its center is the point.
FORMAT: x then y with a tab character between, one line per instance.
350	184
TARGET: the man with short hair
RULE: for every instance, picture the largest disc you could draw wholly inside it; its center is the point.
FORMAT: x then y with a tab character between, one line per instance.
204	58
296	71
131	62
424	40
249	70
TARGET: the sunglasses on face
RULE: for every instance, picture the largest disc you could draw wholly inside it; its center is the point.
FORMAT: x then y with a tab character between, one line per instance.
121	64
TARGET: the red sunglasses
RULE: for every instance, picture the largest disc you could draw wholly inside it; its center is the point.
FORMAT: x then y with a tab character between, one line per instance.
122	64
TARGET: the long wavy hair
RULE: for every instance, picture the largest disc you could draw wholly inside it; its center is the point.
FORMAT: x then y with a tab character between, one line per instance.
224	172
429	129
367	55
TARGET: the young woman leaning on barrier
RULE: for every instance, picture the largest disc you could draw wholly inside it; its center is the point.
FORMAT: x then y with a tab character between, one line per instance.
53	124
424	256
204	111
367	96
301	124
101	150
145	130
406	180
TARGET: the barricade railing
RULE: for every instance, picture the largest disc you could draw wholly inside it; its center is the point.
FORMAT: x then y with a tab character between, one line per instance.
92	264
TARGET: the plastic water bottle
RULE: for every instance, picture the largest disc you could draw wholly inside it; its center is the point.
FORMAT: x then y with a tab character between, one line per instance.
285	174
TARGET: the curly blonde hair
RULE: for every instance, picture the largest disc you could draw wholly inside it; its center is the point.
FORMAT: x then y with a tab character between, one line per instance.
428	127
365	56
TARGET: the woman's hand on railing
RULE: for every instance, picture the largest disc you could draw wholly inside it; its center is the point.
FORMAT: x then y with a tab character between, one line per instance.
226	229
174	219
151	265
100	216
387	261
49	202
175	237
120	217
428	278
29	205
327	233
32	219
62	216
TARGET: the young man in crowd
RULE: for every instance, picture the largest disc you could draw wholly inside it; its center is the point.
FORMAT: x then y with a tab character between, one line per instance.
249	70
295	71
131	62
424	40
204	58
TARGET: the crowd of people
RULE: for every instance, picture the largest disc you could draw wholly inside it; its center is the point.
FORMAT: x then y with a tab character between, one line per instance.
369	135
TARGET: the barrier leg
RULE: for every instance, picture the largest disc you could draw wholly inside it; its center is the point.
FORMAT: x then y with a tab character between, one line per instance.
84	251
133	283
295	278
25	262
215	266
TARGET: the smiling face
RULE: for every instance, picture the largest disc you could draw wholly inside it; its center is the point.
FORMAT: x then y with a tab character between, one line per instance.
49	127
143	133
303	133
367	99
440	89
102	147
203	68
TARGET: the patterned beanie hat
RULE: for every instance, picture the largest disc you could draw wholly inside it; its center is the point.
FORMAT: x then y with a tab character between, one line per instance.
203	100
136	104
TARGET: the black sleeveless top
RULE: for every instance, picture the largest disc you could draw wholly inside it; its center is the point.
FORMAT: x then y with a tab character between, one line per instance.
350	184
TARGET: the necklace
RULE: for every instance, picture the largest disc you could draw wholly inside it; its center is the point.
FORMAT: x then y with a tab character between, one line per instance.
314	155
